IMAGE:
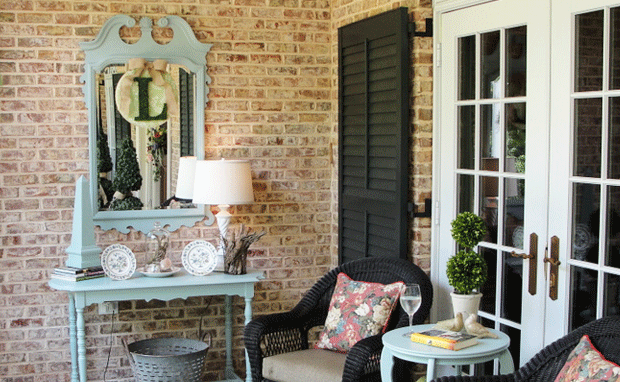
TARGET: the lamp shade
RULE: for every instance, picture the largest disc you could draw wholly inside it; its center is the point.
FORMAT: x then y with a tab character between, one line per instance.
223	182
185	179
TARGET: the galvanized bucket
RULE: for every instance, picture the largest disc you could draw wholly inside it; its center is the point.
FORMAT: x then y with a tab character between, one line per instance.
167	359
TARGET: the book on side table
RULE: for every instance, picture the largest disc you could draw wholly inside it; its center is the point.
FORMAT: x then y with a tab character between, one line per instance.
444	339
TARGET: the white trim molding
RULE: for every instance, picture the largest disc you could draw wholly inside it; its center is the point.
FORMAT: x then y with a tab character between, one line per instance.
440	6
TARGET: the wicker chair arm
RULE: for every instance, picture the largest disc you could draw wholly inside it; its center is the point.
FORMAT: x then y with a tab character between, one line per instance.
264	332
363	358
273	334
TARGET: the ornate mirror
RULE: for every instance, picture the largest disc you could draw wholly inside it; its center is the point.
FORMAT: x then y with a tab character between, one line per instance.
145	111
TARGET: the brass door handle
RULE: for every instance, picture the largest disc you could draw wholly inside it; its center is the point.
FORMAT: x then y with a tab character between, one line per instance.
554	261
521	255
532	257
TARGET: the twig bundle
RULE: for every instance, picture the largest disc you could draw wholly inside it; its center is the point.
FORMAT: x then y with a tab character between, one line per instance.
236	250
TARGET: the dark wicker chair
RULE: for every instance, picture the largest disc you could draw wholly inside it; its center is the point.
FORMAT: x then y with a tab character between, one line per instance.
287	332
546	365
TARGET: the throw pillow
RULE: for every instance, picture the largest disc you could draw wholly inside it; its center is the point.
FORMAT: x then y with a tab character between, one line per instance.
357	310
586	364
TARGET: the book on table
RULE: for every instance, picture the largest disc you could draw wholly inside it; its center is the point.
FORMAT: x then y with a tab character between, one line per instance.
444	339
78	271
77	274
76	277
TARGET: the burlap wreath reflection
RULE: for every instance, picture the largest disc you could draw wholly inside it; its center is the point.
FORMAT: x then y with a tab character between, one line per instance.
161	93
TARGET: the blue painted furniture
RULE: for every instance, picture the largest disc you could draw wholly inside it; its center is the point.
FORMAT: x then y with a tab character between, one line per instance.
109	50
397	343
182	285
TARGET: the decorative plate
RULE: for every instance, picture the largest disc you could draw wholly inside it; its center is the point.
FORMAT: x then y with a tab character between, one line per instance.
199	257
118	262
172	271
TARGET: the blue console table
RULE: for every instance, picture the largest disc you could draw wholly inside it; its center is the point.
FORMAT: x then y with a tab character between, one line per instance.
181	285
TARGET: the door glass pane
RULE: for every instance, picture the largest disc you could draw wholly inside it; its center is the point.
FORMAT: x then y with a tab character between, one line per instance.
490	140
512	283
586	221
583	296
614	138
612	295
465	192
614	49
516	54
487	303
515	137
515	341
589	51
612	252
587	140
467	67
467	136
488	206
489	65
513	212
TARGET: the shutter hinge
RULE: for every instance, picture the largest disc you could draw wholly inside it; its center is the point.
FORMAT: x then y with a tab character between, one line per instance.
428	32
428	207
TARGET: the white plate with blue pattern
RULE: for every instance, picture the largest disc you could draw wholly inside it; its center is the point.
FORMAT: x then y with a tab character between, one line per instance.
199	258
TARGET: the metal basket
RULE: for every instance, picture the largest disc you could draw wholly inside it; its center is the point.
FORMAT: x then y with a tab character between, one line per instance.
167	359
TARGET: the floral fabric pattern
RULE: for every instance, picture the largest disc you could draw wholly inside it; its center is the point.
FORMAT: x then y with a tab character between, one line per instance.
357	310
586	364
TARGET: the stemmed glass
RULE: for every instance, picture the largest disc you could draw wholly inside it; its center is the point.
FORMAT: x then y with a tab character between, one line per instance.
410	300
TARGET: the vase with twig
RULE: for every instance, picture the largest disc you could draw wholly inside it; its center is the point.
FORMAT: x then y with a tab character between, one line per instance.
236	250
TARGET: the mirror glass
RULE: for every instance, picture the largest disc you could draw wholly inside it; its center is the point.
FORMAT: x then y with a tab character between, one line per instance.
158	146
146	103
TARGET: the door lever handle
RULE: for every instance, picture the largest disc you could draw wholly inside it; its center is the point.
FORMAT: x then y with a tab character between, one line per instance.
521	255
555	262
533	266
552	261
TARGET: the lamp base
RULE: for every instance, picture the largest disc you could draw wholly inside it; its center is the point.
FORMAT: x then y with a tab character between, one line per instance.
223	220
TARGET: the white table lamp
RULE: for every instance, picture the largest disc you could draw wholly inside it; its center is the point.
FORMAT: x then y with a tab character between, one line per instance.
185	178
223	183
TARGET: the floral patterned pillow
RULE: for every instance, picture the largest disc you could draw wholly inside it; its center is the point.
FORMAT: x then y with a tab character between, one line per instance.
586	364
357	310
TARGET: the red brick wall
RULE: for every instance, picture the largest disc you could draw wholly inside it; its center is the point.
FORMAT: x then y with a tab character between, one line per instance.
272	101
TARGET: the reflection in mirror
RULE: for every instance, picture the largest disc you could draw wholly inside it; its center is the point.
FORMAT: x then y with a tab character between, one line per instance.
158	146
135	146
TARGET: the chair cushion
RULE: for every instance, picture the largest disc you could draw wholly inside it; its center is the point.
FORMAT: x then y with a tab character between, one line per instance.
357	310
585	363
304	365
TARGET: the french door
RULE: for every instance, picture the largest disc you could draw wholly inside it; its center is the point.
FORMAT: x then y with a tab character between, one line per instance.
528	130
584	200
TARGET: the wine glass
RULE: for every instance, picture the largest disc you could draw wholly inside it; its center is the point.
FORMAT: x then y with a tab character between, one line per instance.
410	300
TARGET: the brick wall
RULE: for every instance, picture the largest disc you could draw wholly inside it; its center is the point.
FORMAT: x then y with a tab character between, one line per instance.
272	101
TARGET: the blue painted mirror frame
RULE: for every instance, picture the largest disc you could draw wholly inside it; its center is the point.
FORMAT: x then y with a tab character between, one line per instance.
109	49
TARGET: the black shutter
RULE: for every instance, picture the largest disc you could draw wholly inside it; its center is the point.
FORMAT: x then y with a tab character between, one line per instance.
121	126
186	99
373	136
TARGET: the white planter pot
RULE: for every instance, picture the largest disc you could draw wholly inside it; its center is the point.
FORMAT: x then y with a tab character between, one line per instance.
468	303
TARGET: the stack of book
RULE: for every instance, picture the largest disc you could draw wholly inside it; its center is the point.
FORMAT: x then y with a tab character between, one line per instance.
77	274
444	339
